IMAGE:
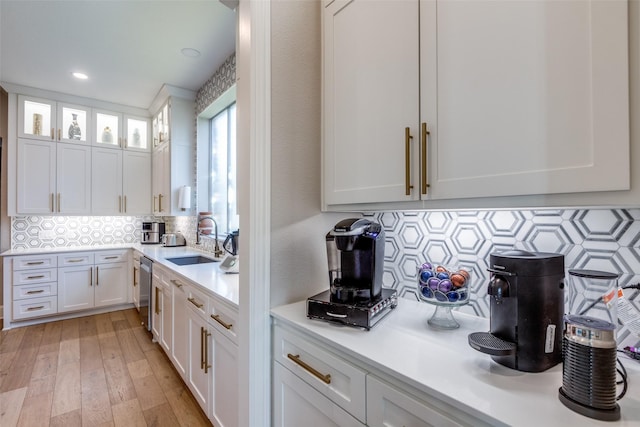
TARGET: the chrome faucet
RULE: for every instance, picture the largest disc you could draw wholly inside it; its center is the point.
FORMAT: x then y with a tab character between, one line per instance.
217	252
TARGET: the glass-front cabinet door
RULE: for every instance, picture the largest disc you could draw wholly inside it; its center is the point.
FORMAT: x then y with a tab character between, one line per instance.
73	123
36	118
107	128
136	133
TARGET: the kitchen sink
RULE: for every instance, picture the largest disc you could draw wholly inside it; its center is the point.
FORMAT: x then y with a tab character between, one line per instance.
190	260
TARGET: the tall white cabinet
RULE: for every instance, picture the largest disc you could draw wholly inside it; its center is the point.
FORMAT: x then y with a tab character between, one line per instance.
442	99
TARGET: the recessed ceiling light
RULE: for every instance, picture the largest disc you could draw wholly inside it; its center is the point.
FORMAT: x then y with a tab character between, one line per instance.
190	52
81	76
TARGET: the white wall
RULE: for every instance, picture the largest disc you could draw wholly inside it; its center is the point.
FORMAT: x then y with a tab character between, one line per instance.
298	254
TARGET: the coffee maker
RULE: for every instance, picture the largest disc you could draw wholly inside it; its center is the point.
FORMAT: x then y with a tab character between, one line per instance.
151	233
355	254
526	311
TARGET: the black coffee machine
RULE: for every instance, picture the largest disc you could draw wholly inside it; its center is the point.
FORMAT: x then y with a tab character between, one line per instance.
526	311
355	253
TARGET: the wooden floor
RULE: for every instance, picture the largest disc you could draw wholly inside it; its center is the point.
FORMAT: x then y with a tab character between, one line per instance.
100	370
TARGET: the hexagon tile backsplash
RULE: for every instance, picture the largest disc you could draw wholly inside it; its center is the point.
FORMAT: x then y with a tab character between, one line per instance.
595	239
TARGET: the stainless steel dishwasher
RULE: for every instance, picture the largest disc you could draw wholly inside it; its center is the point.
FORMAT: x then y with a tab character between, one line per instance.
145	291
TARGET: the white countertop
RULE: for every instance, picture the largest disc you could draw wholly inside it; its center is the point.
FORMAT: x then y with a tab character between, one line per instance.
442	364
208	276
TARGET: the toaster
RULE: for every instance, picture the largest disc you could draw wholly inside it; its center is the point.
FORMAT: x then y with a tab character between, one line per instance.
173	239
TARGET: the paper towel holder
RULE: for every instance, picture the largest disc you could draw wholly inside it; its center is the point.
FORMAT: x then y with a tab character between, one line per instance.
184	197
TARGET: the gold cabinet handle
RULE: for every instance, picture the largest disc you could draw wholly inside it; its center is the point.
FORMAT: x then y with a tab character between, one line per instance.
206	351
39	291
53	133
135	270
226	325
324	378
194	302
201	347
52	206
154	203
159	202
40	307
126	144
157	309
423	161
120	204
40	276
407	161
175	282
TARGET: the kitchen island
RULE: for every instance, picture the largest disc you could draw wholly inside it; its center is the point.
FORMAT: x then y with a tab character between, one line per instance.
405	363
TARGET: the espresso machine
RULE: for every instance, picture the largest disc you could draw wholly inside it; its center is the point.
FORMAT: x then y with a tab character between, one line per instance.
526	311
151	233
355	253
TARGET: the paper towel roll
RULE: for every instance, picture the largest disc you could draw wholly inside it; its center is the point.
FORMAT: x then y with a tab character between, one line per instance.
184	197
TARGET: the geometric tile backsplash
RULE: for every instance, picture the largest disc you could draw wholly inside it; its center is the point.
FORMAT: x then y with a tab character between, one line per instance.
594	239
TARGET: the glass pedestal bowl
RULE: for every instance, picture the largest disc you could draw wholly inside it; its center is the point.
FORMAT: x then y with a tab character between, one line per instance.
445	288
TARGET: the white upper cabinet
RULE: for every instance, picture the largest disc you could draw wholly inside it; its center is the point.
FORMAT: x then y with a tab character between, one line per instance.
53	121
115	130
371	95
525	97
454	99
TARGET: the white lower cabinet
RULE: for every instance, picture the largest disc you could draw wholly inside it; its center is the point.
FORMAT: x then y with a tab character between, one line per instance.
155	303
224	391
166	314
199	369
75	288
179	353
111	280
295	403
316	386
136	280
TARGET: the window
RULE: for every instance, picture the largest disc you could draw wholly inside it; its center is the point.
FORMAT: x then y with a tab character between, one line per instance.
222	169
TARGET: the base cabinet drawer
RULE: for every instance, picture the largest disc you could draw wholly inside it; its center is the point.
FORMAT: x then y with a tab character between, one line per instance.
35	290
24	277
295	404
332	376
35	307
30	262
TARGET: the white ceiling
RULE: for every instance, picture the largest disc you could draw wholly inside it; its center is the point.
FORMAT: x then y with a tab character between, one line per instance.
129	48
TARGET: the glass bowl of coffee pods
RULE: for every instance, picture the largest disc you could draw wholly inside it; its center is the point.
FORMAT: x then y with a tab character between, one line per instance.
445	288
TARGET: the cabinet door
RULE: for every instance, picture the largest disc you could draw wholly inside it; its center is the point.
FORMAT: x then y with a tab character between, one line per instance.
525	97
107	128
73	179
73	123
295	403
75	288
224	394
106	182
36	180
36	118
199	369
111	284
136	183
157	173
136	281
389	407
136	133
371	95
180	348
166	313
155	305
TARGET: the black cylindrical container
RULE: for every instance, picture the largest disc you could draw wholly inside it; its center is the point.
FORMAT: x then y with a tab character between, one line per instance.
527	307
589	368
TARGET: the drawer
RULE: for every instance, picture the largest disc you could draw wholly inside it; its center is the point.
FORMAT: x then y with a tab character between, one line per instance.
198	301
24	277
334	377
107	257
78	258
224	319
36	307
29	262
35	290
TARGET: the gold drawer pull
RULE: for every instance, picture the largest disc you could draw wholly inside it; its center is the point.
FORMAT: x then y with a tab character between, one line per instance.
111	257
197	304
39	291
40	307
41	276
76	260
216	317
35	262
175	282
324	378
